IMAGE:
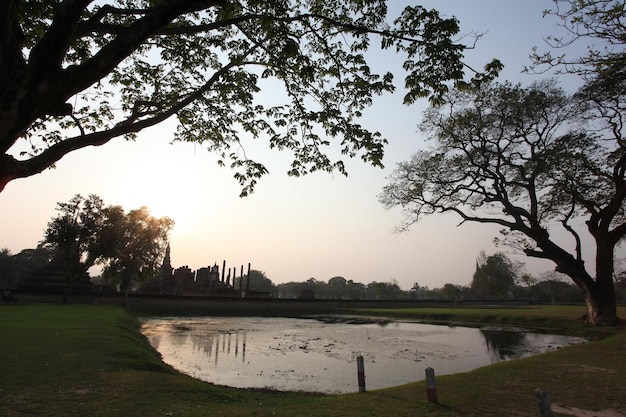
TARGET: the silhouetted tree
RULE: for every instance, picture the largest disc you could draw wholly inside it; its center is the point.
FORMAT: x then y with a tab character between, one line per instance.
523	158
453	292
76	234
258	282
383	290
7	270
494	277
551	286
135	247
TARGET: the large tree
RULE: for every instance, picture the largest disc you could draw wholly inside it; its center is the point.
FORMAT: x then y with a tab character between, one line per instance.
77	73
75	234
135	244
258	282
519	158
7	270
494	276
15	268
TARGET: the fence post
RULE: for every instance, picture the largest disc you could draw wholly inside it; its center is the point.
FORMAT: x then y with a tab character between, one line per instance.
545	409
360	367
431	387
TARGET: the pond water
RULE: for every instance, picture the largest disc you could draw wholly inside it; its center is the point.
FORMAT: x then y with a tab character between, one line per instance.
320	356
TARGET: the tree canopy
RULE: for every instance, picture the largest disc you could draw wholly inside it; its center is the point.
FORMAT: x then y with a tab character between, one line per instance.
135	246
494	277
15	268
75	233
258	282
515	157
78	73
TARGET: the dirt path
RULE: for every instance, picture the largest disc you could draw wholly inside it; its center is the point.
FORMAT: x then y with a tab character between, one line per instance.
577	412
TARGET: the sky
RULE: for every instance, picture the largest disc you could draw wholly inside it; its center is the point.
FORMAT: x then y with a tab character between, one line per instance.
318	226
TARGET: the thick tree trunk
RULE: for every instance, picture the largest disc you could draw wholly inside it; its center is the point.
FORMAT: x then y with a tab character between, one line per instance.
599	293
600	298
601	312
601	304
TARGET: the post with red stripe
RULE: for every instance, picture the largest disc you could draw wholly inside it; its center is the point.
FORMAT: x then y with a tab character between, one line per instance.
431	387
360	372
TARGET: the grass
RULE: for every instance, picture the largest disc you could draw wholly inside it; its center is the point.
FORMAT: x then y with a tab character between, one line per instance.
564	318
87	360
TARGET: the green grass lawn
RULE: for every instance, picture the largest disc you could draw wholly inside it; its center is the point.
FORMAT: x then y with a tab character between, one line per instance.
565	318
86	360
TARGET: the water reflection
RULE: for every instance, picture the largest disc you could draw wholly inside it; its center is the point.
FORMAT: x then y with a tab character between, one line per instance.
504	344
211	343
512	344
309	355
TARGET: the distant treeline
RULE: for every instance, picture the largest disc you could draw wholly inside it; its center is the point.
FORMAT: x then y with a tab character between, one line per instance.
338	288
495	278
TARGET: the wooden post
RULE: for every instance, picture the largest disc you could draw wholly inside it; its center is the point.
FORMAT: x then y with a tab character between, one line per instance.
360	367
544	404
431	387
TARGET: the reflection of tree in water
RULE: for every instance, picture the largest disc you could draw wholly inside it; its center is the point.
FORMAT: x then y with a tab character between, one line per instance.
179	335
504	344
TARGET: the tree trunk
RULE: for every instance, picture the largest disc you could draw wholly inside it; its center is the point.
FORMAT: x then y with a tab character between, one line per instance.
599	293
600	298
601	307
127	288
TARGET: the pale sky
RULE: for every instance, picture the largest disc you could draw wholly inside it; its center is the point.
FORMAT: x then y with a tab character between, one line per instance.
318	226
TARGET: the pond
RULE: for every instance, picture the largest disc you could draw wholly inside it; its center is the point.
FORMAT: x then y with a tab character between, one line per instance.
317	355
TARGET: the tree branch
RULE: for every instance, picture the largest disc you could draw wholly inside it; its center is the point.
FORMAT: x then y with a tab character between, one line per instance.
48	54
10	168
77	78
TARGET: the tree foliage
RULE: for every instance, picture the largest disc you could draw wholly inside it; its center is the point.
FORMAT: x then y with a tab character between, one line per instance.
14	269
596	23
552	286
79	73
452	291
136	244
258	282
130	245
75	234
338	288
6	269
494	277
